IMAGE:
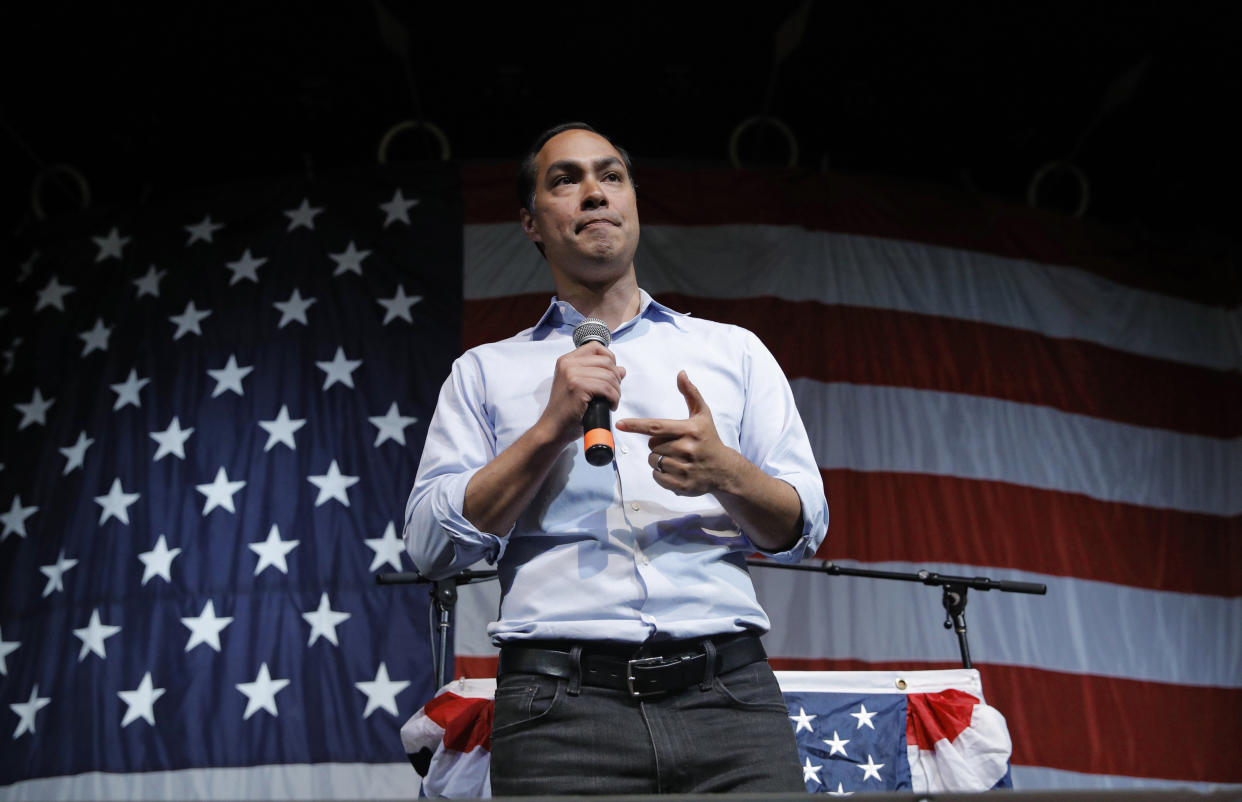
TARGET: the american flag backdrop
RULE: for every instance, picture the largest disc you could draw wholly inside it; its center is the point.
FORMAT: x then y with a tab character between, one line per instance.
989	391
213	412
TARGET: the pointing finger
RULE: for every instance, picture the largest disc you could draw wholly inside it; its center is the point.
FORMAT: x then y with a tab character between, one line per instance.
694	400
656	427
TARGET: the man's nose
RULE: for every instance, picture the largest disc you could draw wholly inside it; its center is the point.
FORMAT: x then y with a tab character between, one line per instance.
593	195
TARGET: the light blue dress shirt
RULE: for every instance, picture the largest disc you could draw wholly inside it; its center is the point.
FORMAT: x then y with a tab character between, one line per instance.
605	553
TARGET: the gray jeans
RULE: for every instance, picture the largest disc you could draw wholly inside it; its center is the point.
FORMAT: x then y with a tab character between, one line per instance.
732	733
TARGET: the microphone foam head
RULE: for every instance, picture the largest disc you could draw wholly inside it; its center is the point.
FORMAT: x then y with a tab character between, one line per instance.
592	329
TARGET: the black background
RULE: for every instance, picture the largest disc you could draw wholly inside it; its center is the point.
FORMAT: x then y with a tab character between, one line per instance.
146	100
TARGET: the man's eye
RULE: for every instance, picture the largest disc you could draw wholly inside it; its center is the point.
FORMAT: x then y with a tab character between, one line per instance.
559	180
613	177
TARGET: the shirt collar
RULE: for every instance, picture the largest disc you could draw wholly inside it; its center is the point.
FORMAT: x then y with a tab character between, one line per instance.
561	313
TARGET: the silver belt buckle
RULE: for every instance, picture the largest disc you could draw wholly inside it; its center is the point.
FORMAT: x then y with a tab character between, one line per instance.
630	679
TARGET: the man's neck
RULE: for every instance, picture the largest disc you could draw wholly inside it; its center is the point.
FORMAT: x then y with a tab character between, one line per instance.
613	302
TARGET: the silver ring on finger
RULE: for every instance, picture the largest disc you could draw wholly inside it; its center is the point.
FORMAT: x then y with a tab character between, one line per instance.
659	466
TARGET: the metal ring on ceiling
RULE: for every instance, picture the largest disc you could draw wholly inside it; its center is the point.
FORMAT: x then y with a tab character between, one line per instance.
414	125
762	119
1060	166
40	182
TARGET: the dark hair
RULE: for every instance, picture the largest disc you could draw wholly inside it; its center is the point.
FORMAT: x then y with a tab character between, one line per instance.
526	173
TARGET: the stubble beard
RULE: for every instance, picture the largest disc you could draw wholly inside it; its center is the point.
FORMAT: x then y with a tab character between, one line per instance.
603	246
600	262
603	250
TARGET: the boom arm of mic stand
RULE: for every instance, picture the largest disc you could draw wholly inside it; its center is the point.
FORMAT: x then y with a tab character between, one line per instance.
953	594
443	598
925	577
466	577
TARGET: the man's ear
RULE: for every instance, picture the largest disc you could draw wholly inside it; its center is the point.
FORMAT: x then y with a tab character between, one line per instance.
528	226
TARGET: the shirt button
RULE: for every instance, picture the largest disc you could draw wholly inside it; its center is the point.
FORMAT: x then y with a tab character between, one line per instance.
625	449
634	506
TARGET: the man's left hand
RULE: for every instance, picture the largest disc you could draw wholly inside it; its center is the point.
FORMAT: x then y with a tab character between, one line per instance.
687	456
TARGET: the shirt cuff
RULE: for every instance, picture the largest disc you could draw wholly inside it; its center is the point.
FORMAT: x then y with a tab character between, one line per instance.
469	540
814	521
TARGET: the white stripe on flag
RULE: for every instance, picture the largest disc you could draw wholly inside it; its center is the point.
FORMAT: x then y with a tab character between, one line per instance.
271	782
477	606
869	682
896	621
871	428
889	621
796	264
1046	779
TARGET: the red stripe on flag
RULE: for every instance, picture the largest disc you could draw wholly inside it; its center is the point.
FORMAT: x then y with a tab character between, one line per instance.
905	349
1099	725
467	722
1106	725
890	209
475	667
943	720
927	518
491	319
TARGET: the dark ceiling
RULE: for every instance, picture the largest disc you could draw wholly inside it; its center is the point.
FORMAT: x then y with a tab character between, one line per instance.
150	99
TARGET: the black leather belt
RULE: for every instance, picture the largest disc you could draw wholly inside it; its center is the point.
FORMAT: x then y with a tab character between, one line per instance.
679	666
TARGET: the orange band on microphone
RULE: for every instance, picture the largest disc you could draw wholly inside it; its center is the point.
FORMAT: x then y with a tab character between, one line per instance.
597	437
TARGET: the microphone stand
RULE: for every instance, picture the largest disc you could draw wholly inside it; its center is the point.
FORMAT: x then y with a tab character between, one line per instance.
953	594
443	598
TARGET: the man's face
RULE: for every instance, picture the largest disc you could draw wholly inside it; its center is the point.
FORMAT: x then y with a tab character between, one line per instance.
585	213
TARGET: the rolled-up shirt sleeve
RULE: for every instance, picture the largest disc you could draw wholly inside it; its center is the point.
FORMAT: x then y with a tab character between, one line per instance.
460	441
774	438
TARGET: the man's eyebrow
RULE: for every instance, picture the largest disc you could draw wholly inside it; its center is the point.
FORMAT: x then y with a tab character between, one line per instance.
606	162
562	166
572	166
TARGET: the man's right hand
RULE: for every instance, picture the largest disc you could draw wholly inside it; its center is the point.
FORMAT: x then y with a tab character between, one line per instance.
580	375
498	493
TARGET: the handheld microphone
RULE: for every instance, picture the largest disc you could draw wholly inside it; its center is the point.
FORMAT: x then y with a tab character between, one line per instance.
597	422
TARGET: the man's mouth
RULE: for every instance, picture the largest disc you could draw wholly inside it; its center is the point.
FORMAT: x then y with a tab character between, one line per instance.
595	222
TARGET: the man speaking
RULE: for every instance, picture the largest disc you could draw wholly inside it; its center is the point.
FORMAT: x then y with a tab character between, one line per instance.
629	630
